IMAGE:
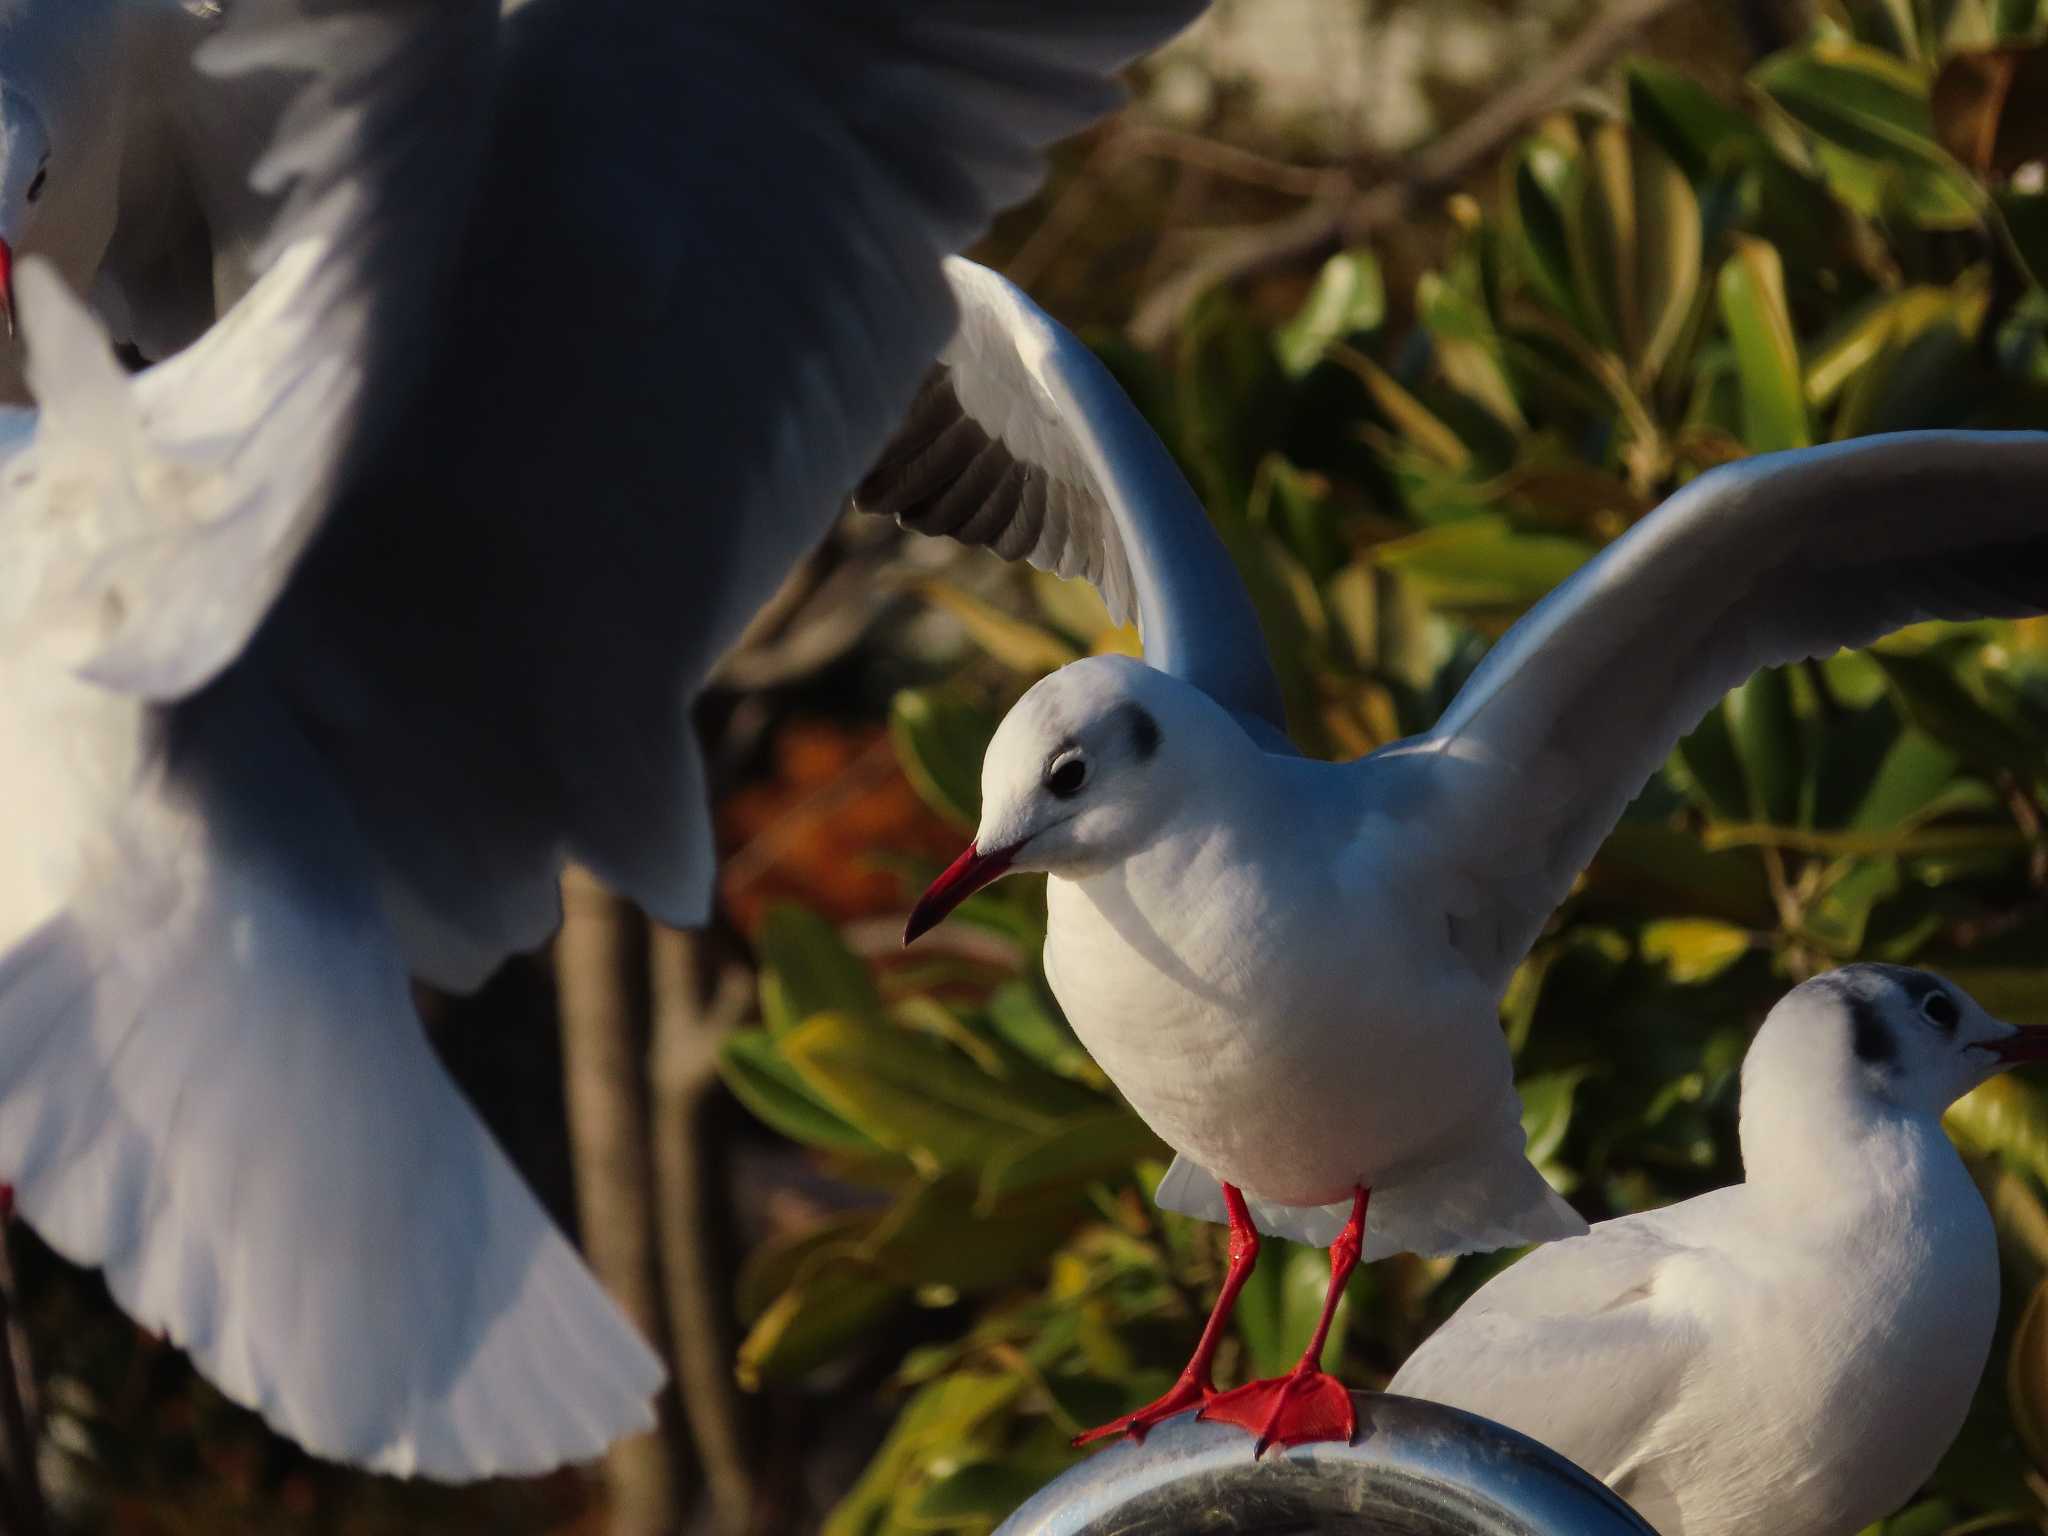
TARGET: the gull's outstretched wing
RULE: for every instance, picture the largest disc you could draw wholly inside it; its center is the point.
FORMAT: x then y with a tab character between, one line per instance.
213	1084
1582	1344
701	284
212	1079
155	520
1762	562
1022	443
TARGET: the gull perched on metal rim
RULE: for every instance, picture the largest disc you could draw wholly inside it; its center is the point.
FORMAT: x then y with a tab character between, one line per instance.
323	644
1292	968
1793	1353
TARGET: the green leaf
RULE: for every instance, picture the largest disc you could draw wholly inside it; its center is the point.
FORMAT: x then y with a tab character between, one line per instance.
1278	1308
2026	1377
1708	769
1910	777
814	1322
771	1088
983	1491
1538	174
806	968
940	742
1633	227
1693	950
1424	430
1023	647
1349	296
1072	606
1838	919
1019	1014
948	1410
1753	307
2005	1117
1870	114
1933	697
910	1093
1547	1110
1684	118
1483	562
1079	1150
1468	350
1765	733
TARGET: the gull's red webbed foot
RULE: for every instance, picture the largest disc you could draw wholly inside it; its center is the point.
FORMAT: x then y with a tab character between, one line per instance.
1307	1404
1294	1409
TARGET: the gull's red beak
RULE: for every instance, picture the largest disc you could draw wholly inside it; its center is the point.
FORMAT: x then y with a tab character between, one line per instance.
7	285
963	877
2028	1043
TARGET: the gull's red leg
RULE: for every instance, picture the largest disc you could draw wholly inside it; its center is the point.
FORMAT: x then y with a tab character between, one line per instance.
1307	1403
1194	1386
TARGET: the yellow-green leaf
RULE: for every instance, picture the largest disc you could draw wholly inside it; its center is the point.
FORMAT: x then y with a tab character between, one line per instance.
1759	323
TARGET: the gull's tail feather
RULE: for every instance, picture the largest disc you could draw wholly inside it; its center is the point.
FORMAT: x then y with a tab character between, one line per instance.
1484	1201
1471	1206
212	1083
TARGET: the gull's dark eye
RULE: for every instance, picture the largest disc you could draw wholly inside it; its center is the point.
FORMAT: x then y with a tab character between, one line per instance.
1067	776
1940	1010
35	188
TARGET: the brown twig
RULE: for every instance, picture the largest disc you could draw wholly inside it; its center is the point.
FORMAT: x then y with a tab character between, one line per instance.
698	1286
1356	216
21	1490
601	970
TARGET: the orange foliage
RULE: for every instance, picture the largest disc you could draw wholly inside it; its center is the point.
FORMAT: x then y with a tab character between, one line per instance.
822	828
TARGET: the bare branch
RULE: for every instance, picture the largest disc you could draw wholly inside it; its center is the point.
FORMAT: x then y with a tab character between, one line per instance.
1356	216
600	968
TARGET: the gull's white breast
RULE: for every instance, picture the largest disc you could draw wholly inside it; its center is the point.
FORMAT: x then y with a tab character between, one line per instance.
1274	1006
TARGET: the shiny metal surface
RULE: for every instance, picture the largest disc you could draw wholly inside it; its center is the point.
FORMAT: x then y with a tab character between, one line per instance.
1414	1469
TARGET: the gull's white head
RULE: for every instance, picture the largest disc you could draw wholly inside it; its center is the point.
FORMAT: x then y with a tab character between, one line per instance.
63	78
1885	1038
1084	772
24	179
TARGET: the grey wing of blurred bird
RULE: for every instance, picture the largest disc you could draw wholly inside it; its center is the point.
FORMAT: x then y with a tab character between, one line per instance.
1022	443
701	284
1757	563
212	1080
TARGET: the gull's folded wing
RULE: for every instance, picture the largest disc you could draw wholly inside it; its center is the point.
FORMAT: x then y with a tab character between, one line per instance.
1022	443
1582	1344
1762	562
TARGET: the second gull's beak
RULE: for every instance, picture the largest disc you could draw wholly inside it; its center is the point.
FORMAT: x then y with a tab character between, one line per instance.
2027	1042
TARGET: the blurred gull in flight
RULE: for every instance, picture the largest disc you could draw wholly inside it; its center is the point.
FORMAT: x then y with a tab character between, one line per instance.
325	643
1792	1354
1292	968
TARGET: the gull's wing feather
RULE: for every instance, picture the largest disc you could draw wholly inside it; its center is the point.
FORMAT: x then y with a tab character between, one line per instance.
701	284
161	516
1753	564
213	1083
1583	1344
1020	441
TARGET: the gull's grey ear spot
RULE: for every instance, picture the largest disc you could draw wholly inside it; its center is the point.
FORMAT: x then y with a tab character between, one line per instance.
1145	736
1870	1037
